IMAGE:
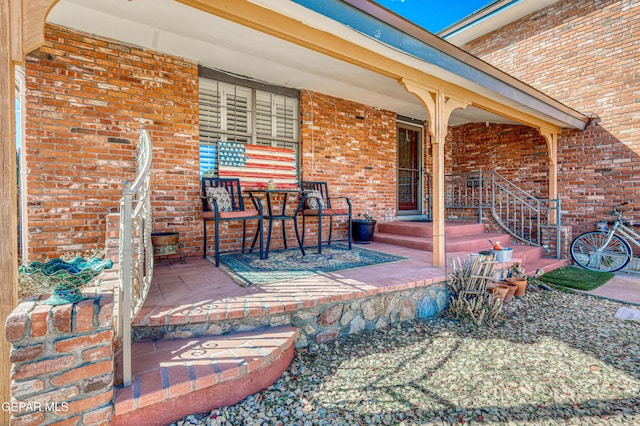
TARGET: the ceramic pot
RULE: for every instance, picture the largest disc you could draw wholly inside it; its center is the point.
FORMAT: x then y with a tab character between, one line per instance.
362	231
521	284
511	290
500	290
165	243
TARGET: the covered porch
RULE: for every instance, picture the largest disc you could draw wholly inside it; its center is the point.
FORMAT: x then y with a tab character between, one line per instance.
359	91
366	81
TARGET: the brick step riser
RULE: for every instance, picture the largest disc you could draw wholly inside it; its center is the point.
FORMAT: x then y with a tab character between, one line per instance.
398	240
425	230
475	242
207	387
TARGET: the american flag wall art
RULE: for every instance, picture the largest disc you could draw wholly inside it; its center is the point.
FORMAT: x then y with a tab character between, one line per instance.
255	165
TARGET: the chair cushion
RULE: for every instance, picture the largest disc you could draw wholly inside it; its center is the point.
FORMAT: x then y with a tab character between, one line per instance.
239	214
314	199
326	212
222	198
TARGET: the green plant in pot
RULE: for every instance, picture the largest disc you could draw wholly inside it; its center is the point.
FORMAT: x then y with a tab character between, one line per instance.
362	228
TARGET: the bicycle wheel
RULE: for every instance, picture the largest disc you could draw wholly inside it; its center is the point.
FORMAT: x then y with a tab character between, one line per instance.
586	251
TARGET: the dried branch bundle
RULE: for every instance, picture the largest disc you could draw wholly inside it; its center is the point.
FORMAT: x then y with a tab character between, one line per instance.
468	284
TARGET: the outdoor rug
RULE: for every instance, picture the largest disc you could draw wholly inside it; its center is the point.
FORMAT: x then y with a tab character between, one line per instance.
248	269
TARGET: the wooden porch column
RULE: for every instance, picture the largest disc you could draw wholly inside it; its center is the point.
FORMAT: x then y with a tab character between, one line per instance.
551	138
21	30
8	200
439	108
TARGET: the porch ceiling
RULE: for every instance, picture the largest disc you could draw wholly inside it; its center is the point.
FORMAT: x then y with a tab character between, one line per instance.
171	27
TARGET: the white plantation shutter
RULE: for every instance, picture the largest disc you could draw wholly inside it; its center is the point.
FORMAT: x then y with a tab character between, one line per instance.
236	109
209	100
276	116
226	114
286	117
264	119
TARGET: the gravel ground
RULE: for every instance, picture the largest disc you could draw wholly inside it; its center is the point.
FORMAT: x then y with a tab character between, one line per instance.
552	358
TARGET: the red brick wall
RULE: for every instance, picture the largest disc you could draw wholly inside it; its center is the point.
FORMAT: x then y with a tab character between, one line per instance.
86	100
518	153
62	362
352	147
585	54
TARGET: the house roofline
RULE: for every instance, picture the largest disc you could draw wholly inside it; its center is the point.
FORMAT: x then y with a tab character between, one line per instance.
486	12
490	18
432	49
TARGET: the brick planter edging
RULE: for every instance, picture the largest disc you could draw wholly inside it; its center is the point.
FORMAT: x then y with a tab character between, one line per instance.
62	362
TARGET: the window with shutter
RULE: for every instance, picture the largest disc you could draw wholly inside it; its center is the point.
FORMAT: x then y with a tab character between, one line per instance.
276	116
230	112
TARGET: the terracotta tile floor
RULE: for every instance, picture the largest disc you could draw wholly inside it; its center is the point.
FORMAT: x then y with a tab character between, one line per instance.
198	291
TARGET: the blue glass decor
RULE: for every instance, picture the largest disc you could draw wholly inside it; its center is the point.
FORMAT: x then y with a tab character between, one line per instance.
66	278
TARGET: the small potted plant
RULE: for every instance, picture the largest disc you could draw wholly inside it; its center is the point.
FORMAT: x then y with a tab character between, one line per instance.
517	276
362	228
501	254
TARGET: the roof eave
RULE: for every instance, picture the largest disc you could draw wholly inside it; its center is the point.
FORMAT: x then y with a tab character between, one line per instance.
391	29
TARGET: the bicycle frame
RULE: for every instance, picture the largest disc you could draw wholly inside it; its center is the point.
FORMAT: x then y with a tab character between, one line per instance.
629	234
596	251
619	227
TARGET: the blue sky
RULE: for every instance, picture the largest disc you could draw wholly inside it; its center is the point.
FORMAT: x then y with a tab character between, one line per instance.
434	15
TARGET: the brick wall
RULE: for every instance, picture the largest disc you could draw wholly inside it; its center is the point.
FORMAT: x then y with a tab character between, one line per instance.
518	153
583	53
63	362
352	147
86	100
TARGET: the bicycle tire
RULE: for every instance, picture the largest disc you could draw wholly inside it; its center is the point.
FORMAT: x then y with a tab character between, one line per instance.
611	258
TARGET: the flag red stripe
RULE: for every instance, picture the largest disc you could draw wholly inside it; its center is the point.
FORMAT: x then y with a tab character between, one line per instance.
262	164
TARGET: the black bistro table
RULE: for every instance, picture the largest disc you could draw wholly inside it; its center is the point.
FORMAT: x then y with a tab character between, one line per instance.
278	211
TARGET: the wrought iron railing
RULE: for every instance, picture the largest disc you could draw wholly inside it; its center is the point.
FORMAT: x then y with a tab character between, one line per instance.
136	252
529	219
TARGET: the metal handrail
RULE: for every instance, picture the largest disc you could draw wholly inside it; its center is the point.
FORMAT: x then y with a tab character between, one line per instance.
518	212
136	252
515	210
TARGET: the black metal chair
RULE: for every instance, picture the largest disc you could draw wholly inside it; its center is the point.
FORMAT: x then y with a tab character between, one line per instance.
316	202
222	200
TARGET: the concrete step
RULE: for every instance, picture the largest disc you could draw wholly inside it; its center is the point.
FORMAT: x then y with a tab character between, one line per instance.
545	264
174	378
479	241
425	229
526	254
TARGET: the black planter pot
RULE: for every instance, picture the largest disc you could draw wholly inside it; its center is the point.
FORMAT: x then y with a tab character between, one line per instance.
362	231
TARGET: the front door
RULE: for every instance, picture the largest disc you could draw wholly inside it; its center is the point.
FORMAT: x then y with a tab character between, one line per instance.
409	169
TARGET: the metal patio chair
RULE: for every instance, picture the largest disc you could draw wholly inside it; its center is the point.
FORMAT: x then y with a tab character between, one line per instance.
316	202
222	201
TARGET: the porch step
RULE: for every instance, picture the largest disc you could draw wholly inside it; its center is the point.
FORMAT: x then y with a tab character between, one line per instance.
462	236
174	378
425	229
455	242
544	264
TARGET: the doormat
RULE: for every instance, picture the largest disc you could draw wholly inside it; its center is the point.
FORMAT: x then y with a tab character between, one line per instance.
248	269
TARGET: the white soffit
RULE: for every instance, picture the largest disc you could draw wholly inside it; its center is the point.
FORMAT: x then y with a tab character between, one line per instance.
174	28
